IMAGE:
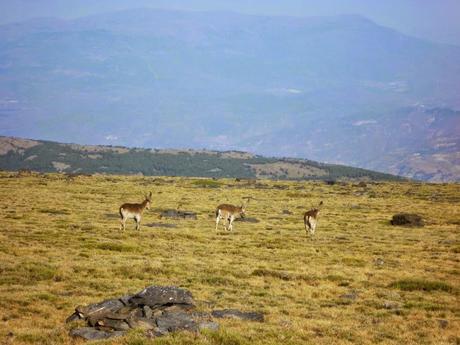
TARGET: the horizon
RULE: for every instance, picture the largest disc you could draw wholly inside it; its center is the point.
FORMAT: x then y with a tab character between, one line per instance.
434	21
336	85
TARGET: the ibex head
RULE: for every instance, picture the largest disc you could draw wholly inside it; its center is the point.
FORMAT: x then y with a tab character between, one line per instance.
318	208
148	200
244	205
242	209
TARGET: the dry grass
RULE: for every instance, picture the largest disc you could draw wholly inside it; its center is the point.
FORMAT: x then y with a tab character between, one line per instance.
361	281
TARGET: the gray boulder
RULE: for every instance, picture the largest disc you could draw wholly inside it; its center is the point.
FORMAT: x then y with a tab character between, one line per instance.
94	310
156	296
174	321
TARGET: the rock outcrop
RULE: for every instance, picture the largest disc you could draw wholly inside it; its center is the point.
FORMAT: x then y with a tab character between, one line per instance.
158	310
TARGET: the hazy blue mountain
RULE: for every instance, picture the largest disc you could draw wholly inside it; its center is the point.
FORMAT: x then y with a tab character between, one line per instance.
286	86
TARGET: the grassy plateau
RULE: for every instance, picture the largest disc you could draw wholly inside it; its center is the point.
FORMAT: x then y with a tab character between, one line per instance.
360	281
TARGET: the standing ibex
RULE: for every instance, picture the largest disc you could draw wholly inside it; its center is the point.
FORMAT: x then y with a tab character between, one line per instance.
128	211
228	213
310	219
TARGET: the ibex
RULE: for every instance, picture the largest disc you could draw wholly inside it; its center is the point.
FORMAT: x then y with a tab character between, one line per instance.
128	211
228	213
310	219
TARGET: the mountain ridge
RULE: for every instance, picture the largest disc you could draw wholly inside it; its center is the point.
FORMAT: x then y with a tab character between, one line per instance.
46	156
281	86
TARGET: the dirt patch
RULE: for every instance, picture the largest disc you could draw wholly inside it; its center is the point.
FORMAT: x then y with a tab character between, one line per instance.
59	166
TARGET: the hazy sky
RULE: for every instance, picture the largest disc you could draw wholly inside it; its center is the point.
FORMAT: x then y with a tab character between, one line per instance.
437	20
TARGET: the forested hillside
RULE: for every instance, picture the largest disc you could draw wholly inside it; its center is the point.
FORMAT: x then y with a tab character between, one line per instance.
46	156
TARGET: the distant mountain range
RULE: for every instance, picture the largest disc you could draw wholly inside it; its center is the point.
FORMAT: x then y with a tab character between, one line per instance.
45	156
335	89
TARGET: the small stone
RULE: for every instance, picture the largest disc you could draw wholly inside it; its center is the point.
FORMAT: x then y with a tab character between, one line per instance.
379	262
447	241
75	316
155	296
142	323
176	321
285	323
116	325
153	333
443	323
89	333
391	305
125	299
147	311
237	314
100	309
351	296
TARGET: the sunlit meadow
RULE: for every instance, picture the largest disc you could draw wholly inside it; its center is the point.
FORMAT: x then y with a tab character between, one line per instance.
360	281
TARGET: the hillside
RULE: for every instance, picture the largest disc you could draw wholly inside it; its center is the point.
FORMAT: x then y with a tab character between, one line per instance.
46	156
361	281
416	142
317	87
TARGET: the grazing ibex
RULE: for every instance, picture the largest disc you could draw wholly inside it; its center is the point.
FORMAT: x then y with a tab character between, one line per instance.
128	211
310	219
228	213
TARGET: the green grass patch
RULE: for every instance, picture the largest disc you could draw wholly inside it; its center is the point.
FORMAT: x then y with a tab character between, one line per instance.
354	262
421	285
44	296
219	281
28	273
115	247
262	272
207	183
32	338
425	306
340	280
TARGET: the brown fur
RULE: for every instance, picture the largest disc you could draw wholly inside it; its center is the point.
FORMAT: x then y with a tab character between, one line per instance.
312	213
229	213
310	219
134	211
